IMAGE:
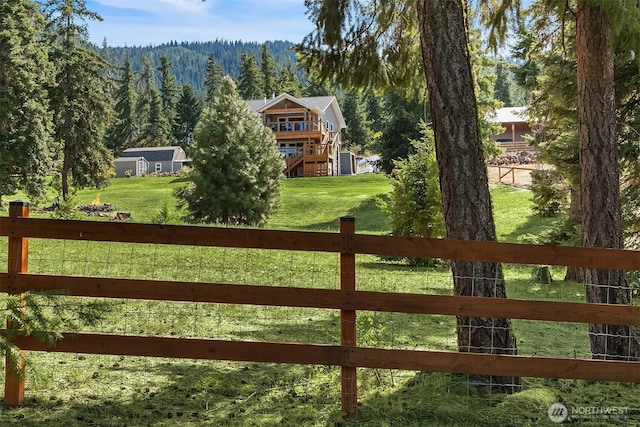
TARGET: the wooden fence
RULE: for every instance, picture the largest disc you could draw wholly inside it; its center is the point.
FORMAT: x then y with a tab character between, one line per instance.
512	171
19	228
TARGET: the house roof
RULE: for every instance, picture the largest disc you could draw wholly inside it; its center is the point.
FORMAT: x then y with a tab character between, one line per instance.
154	154
319	104
509	115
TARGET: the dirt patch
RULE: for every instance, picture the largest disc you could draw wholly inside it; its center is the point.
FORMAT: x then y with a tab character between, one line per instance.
515	175
514	168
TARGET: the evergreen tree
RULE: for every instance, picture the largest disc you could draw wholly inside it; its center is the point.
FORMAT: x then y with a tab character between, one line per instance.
502	91
25	120
146	85
595	40
316	86
157	130
250	84
288	82
526	72
237	168
414	206
154	126
188	112
80	98
169	90
269	72
400	124
374	111
213	78
600	167
357	136
122	133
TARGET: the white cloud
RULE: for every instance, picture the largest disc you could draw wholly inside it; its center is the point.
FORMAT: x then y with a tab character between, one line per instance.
159	21
161	6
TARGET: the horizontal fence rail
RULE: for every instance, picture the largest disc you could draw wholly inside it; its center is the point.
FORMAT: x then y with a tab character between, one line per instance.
225	293
19	228
412	247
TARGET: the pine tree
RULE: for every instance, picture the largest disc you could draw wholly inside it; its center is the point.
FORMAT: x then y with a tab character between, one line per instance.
213	78
121	134
600	169
188	112
269	72
583	99
157	130
414	206
400	124
237	168
357	136
169	90
25	120
250	84
80	99
316	86
502	91
154	126
288	82
145	85
374	111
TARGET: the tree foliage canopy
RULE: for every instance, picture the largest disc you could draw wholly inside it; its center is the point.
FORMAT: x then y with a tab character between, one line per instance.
25	120
361	44
80	97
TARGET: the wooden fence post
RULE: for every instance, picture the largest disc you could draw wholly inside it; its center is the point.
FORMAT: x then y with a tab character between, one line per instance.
17	263
348	319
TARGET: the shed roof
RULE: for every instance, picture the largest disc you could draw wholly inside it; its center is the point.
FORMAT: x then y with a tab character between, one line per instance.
154	154
509	115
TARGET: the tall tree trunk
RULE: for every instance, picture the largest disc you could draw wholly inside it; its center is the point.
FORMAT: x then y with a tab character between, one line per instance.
600	198
463	175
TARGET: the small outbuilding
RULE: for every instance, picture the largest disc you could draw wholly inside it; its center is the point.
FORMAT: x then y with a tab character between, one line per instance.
146	160
347	163
515	123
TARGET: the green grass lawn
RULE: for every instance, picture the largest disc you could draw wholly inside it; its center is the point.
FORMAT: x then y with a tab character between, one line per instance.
310	204
91	390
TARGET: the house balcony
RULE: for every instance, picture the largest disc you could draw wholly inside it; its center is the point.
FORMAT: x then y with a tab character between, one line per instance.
299	129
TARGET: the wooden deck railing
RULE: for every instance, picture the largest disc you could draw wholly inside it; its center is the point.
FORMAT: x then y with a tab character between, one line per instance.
19	228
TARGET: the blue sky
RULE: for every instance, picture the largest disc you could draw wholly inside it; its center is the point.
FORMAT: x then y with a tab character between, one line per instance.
144	22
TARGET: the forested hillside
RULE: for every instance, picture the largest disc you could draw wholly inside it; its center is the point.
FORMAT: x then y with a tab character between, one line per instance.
189	59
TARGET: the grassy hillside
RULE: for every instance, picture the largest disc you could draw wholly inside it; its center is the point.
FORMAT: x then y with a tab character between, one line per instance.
313	204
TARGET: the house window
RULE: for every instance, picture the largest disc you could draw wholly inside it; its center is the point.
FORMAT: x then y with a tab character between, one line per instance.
158	167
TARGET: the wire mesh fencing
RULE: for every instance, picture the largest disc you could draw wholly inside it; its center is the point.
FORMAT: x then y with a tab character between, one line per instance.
131	389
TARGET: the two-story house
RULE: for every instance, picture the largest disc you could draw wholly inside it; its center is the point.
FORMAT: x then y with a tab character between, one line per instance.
307	131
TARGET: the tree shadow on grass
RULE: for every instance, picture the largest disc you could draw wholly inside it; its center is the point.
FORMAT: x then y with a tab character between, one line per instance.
443	399
180	180
368	217
193	393
534	225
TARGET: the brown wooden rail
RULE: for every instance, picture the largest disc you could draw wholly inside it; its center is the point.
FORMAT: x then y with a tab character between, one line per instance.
19	228
338	299
511	170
